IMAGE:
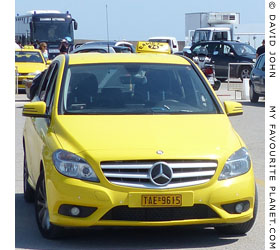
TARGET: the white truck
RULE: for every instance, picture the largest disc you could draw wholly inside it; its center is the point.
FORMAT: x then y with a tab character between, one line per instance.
172	41
207	26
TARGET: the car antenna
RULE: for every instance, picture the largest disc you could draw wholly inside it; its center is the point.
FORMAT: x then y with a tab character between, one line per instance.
107	28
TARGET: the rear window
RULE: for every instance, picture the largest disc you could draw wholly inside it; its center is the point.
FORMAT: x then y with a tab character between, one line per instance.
244	49
134	88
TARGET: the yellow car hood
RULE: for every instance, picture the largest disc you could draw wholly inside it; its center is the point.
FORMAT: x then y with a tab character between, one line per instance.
30	67
129	136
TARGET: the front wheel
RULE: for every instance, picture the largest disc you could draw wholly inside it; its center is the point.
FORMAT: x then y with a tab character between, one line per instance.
47	229
245	72
241	228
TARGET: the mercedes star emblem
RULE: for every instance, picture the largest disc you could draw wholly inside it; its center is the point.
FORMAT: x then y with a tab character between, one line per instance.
160	174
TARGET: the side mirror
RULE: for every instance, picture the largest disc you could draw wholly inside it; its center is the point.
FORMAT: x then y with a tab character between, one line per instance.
35	109
263	68
233	108
49	62
231	53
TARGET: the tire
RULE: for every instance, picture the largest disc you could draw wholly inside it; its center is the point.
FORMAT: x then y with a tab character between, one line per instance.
28	192
241	228
254	97
47	229
245	72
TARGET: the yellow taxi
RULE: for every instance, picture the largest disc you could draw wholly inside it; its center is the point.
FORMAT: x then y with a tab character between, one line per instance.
28	63
134	140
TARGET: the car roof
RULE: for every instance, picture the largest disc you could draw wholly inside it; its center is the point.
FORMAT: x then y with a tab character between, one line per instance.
90	46
86	58
98	43
96	47
214	28
29	50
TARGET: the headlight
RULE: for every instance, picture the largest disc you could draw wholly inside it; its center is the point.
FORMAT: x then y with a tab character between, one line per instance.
73	166
34	73
237	164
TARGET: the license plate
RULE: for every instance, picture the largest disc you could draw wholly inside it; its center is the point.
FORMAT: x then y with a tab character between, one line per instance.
54	51
166	200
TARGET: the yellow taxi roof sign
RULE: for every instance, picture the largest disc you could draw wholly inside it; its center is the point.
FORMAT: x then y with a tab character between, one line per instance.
153	47
28	47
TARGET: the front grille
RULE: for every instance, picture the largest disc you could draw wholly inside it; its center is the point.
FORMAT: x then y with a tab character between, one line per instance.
125	213
136	173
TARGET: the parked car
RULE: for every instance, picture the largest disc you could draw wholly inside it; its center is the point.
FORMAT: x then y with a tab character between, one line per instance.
172	41
93	48
134	140
102	46
257	79
28	62
100	49
224	52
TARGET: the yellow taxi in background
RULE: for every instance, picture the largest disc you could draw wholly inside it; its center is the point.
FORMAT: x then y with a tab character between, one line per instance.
134	140
28	63
153	47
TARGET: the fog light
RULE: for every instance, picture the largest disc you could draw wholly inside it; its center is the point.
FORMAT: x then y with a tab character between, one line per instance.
75	211
239	208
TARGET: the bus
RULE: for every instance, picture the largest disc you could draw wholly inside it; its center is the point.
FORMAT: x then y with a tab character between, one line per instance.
50	26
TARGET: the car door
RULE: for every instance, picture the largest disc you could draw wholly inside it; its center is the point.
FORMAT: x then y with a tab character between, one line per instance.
223	55
217	59
36	128
258	75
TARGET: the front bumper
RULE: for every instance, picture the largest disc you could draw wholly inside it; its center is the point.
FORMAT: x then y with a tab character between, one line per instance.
113	205
24	82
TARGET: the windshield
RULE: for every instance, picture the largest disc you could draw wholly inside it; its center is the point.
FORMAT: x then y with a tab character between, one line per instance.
201	35
52	31
133	88
244	49
28	56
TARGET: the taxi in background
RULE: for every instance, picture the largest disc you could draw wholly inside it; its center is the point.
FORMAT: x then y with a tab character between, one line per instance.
28	63
138	139
153	47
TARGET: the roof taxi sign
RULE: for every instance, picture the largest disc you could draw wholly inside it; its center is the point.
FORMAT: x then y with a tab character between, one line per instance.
153	47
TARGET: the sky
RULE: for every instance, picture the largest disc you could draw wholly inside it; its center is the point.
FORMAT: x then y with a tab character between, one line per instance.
138	20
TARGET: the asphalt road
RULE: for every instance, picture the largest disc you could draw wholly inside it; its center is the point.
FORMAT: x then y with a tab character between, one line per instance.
251	128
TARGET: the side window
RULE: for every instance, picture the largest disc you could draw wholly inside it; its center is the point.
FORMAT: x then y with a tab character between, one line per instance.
227	49
261	63
218	49
210	47
42	90
218	36
224	36
196	49
50	88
